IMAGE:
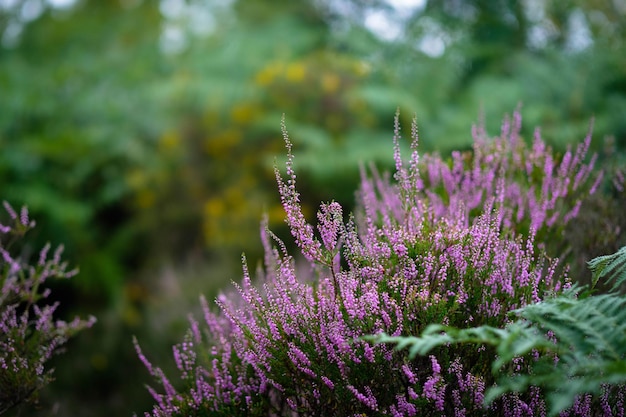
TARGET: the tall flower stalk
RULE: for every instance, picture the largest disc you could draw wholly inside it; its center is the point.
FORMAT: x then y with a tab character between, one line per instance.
452	242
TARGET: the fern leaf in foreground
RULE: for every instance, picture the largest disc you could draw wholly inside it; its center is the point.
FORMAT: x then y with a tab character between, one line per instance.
590	336
609	267
516	339
581	340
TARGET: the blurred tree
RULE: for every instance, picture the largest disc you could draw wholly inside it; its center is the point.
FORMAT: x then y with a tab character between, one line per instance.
77	113
505	52
70	128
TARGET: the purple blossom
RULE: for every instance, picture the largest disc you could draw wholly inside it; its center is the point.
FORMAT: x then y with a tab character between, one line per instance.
368	398
9	209
24	216
300	229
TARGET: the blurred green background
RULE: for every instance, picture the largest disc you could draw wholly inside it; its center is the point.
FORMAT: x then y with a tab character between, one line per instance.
143	134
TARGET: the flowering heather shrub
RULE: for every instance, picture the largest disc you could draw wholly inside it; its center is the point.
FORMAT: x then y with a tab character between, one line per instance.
533	189
581	336
457	246
29	333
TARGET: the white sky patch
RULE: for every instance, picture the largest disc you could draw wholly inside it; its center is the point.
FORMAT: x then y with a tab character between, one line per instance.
389	25
184	19
57	4
172	9
383	24
201	20
31	10
407	6
62	4
8	4
535	10
541	30
11	34
173	39
432	45
578	33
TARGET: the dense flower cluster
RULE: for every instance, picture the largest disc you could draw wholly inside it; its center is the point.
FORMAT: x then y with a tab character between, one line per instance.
451	242
533	190
29	332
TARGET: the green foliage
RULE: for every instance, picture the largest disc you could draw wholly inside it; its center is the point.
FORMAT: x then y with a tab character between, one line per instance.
609	268
513	341
69	132
574	342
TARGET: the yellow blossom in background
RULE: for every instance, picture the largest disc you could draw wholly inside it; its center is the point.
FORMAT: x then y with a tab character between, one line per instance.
295	72
222	142
212	218
362	68
244	113
275	214
214	207
232	131
267	75
226	215
169	141
145	198
211	116
138	180
330	83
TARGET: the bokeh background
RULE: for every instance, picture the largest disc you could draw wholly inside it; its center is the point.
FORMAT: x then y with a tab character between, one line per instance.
143	134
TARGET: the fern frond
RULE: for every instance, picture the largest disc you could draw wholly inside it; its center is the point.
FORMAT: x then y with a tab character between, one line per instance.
592	326
516	339
609	267
585	334
590	336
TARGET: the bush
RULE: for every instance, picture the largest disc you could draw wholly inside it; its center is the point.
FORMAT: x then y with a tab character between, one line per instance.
451	242
581	338
30	333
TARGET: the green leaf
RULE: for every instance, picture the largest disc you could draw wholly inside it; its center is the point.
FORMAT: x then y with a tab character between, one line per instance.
610	268
587	334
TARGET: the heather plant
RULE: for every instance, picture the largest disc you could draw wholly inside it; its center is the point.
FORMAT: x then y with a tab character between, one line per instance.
461	251
536	191
30	333
577	340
